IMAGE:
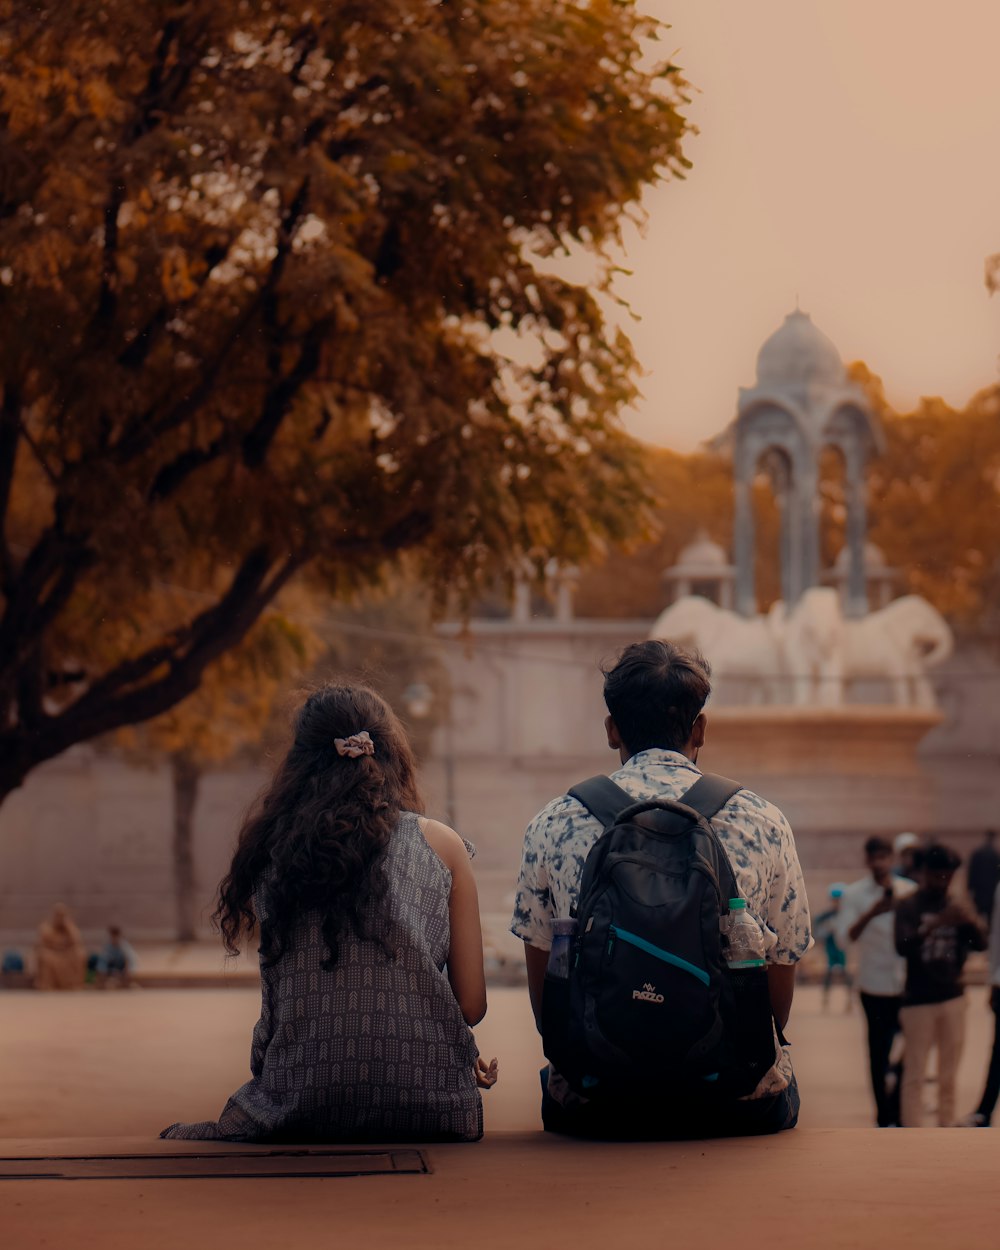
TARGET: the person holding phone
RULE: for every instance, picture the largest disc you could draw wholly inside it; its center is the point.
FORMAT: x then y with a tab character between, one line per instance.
866	918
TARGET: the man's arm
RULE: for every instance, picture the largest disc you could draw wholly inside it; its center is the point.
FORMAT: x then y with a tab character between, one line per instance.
781	988
884	903
536	961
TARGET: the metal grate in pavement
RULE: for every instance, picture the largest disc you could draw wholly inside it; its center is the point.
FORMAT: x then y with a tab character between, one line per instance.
214	1165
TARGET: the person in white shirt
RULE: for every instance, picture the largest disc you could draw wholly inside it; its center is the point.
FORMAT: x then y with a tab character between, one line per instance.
866	917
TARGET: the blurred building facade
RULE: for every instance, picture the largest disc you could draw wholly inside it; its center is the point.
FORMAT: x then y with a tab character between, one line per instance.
522	715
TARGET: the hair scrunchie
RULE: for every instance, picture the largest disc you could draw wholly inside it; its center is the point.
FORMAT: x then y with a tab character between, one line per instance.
357	744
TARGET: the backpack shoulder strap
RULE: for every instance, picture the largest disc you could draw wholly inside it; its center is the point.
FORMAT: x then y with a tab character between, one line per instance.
710	794
602	798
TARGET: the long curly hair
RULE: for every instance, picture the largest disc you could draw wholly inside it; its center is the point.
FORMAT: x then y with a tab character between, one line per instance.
317	836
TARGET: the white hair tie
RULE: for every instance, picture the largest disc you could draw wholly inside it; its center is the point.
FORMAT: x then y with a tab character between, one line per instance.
357	744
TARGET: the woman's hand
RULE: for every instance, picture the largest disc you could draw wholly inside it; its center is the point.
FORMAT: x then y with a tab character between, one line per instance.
486	1074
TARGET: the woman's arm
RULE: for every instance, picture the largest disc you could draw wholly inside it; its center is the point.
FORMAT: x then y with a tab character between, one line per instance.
465	956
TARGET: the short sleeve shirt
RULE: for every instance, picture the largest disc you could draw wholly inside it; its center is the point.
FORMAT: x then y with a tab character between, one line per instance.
755	834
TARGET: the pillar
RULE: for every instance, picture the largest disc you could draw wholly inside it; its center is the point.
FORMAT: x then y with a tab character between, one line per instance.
743	546
856	599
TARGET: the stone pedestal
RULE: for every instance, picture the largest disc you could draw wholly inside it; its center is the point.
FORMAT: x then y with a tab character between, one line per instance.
838	774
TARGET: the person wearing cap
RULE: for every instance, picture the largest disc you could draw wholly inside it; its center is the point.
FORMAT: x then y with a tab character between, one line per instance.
825	931
866	919
934	934
907	849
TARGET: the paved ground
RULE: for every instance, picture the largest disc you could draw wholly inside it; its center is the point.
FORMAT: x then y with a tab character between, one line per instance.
127	1063
110	1069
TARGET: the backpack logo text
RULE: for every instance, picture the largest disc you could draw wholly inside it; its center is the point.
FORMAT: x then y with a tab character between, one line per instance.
647	994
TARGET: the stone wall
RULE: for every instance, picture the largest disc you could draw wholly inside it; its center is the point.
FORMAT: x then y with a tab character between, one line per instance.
527	714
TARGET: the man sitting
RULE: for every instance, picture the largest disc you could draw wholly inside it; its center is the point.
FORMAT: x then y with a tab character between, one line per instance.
655	696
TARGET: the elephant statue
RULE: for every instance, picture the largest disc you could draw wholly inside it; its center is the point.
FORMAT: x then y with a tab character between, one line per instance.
899	643
823	652
744	653
814	645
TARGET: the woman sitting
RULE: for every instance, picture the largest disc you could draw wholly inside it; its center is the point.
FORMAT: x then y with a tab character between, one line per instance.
370	945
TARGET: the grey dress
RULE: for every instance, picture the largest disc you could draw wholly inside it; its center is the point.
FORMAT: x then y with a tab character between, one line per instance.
375	1049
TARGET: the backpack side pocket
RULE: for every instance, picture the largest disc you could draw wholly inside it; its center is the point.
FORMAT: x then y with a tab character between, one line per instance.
749	1023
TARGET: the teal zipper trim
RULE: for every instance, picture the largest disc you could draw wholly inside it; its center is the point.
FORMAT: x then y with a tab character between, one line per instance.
659	953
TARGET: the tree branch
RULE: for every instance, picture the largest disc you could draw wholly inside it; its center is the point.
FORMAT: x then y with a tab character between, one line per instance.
164	85
107	299
212	634
10	433
25	593
245	584
279	399
145	430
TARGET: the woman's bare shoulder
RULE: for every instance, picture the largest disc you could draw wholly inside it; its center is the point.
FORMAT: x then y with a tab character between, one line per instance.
444	842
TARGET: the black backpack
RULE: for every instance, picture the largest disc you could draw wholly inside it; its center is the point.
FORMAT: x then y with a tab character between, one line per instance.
651	1010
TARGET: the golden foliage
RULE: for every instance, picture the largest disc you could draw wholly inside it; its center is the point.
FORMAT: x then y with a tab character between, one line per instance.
262	268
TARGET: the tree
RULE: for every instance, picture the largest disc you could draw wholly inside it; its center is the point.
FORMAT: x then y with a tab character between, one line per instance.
936	505
226	717
274	295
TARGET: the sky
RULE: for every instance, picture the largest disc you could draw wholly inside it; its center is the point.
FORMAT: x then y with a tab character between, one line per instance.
849	158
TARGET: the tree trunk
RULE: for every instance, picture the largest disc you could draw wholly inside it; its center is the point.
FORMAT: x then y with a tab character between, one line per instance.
187	775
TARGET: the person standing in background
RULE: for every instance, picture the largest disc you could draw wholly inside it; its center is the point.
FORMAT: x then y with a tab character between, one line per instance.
983	875
825	930
866	917
981	1117
907	849
934	934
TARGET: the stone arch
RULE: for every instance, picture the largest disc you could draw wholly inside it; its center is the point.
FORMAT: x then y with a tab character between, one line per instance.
801	402
774	428
853	432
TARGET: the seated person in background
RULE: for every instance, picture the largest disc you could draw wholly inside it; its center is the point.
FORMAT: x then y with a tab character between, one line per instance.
116	959
60	958
12	962
934	934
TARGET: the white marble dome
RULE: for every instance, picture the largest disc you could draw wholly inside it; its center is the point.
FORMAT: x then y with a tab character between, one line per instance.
702	556
874	558
797	352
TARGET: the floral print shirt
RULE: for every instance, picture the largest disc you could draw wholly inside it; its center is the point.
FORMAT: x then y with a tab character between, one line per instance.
756	837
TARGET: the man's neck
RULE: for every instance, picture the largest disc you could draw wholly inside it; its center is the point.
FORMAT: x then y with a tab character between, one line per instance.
690	754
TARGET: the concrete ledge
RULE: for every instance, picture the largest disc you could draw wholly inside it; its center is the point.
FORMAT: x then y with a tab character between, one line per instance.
808	1188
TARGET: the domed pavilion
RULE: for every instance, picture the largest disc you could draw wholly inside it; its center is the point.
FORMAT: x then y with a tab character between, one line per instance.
801	403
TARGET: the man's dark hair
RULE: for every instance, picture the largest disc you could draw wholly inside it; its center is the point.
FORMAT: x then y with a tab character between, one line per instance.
939	858
654	693
877	846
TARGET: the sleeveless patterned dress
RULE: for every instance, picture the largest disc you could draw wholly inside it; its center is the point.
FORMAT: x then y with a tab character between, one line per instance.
376	1049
